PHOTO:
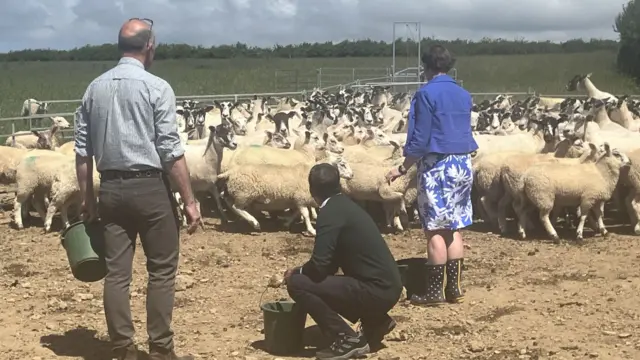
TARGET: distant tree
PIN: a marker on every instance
(628, 27)
(347, 48)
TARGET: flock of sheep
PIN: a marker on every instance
(538, 156)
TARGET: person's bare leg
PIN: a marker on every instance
(455, 258)
(436, 247)
(455, 249)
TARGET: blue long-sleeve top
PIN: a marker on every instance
(440, 120)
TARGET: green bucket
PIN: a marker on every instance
(84, 246)
(284, 324)
(403, 273)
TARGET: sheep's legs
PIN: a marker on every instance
(633, 205)
(48, 219)
(295, 213)
(40, 208)
(304, 211)
(389, 212)
(216, 196)
(503, 204)
(17, 212)
(313, 213)
(599, 213)
(404, 214)
(246, 216)
(544, 217)
(583, 217)
(487, 205)
(64, 215)
(520, 209)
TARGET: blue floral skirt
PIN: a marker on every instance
(444, 191)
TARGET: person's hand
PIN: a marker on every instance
(193, 217)
(88, 209)
(393, 174)
(289, 272)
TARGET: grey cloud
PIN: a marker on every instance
(64, 24)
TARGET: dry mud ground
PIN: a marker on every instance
(525, 299)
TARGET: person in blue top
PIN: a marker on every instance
(439, 142)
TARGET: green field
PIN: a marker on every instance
(546, 74)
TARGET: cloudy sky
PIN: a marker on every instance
(63, 24)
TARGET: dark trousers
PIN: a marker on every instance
(325, 301)
(130, 207)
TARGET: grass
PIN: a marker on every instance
(546, 74)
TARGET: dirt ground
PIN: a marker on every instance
(525, 299)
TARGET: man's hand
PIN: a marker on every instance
(289, 272)
(89, 209)
(193, 216)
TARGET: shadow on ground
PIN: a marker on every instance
(81, 343)
(313, 341)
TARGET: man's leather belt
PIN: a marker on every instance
(116, 174)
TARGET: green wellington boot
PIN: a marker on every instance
(453, 291)
(434, 295)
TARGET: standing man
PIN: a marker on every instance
(127, 121)
(346, 238)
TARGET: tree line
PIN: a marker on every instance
(347, 48)
(628, 27)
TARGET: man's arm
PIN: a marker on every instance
(418, 139)
(168, 143)
(84, 151)
(322, 262)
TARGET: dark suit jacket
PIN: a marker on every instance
(347, 238)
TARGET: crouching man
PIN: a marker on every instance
(346, 238)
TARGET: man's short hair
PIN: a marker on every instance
(135, 43)
(438, 59)
(324, 181)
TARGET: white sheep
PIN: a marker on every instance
(204, 163)
(369, 184)
(33, 107)
(516, 165)
(631, 178)
(38, 139)
(10, 157)
(65, 191)
(35, 174)
(621, 115)
(549, 184)
(269, 187)
(583, 83)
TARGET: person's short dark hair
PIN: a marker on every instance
(135, 43)
(438, 59)
(324, 181)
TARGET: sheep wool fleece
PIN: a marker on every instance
(444, 191)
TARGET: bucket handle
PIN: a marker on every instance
(278, 304)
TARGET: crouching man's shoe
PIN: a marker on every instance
(345, 347)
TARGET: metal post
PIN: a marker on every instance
(353, 74)
(393, 55)
(297, 81)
